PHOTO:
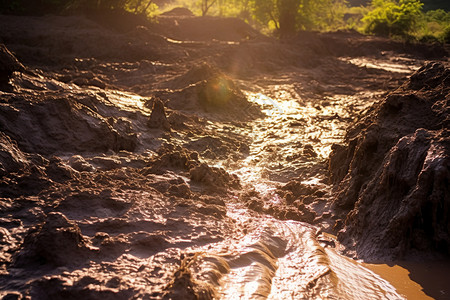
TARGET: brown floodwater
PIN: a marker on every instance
(417, 280)
(267, 258)
(276, 259)
(283, 258)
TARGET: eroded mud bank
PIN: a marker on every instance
(163, 161)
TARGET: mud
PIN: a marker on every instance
(188, 159)
(395, 176)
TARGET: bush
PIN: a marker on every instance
(429, 39)
(393, 17)
(446, 35)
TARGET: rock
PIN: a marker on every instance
(158, 117)
(392, 176)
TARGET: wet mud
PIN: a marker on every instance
(394, 172)
(195, 158)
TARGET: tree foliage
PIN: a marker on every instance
(55, 6)
(393, 17)
(288, 16)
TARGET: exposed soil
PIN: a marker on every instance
(394, 174)
(190, 159)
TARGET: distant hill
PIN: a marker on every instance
(428, 4)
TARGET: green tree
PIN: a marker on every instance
(289, 16)
(206, 5)
(393, 17)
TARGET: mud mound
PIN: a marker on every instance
(58, 242)
(8, 65)
(52, 40)
(352, 43)
(196, 74)
(158, 117)
(219, 148)
(47, 124)
(173, 158)
(88, 287)
(220, 92)
(186, 28)
(206, 88)
(178, 11)
(177, 158)
(213, 177)
(393, 175)
(11, 158)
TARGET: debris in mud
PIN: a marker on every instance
(293, 209)
(393, 175)
(184, 286)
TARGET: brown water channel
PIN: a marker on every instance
(284, 259)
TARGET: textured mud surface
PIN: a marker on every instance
(190, 159)
(394, 174)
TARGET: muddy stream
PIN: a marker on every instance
(275, 259)
(286, 259)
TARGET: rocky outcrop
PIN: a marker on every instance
(392, 177)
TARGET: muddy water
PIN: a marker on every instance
(268, 258)
(417, 280)
(276, 259)
(284, 260)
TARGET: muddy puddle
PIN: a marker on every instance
(416, 280)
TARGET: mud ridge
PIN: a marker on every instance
(392, 190)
